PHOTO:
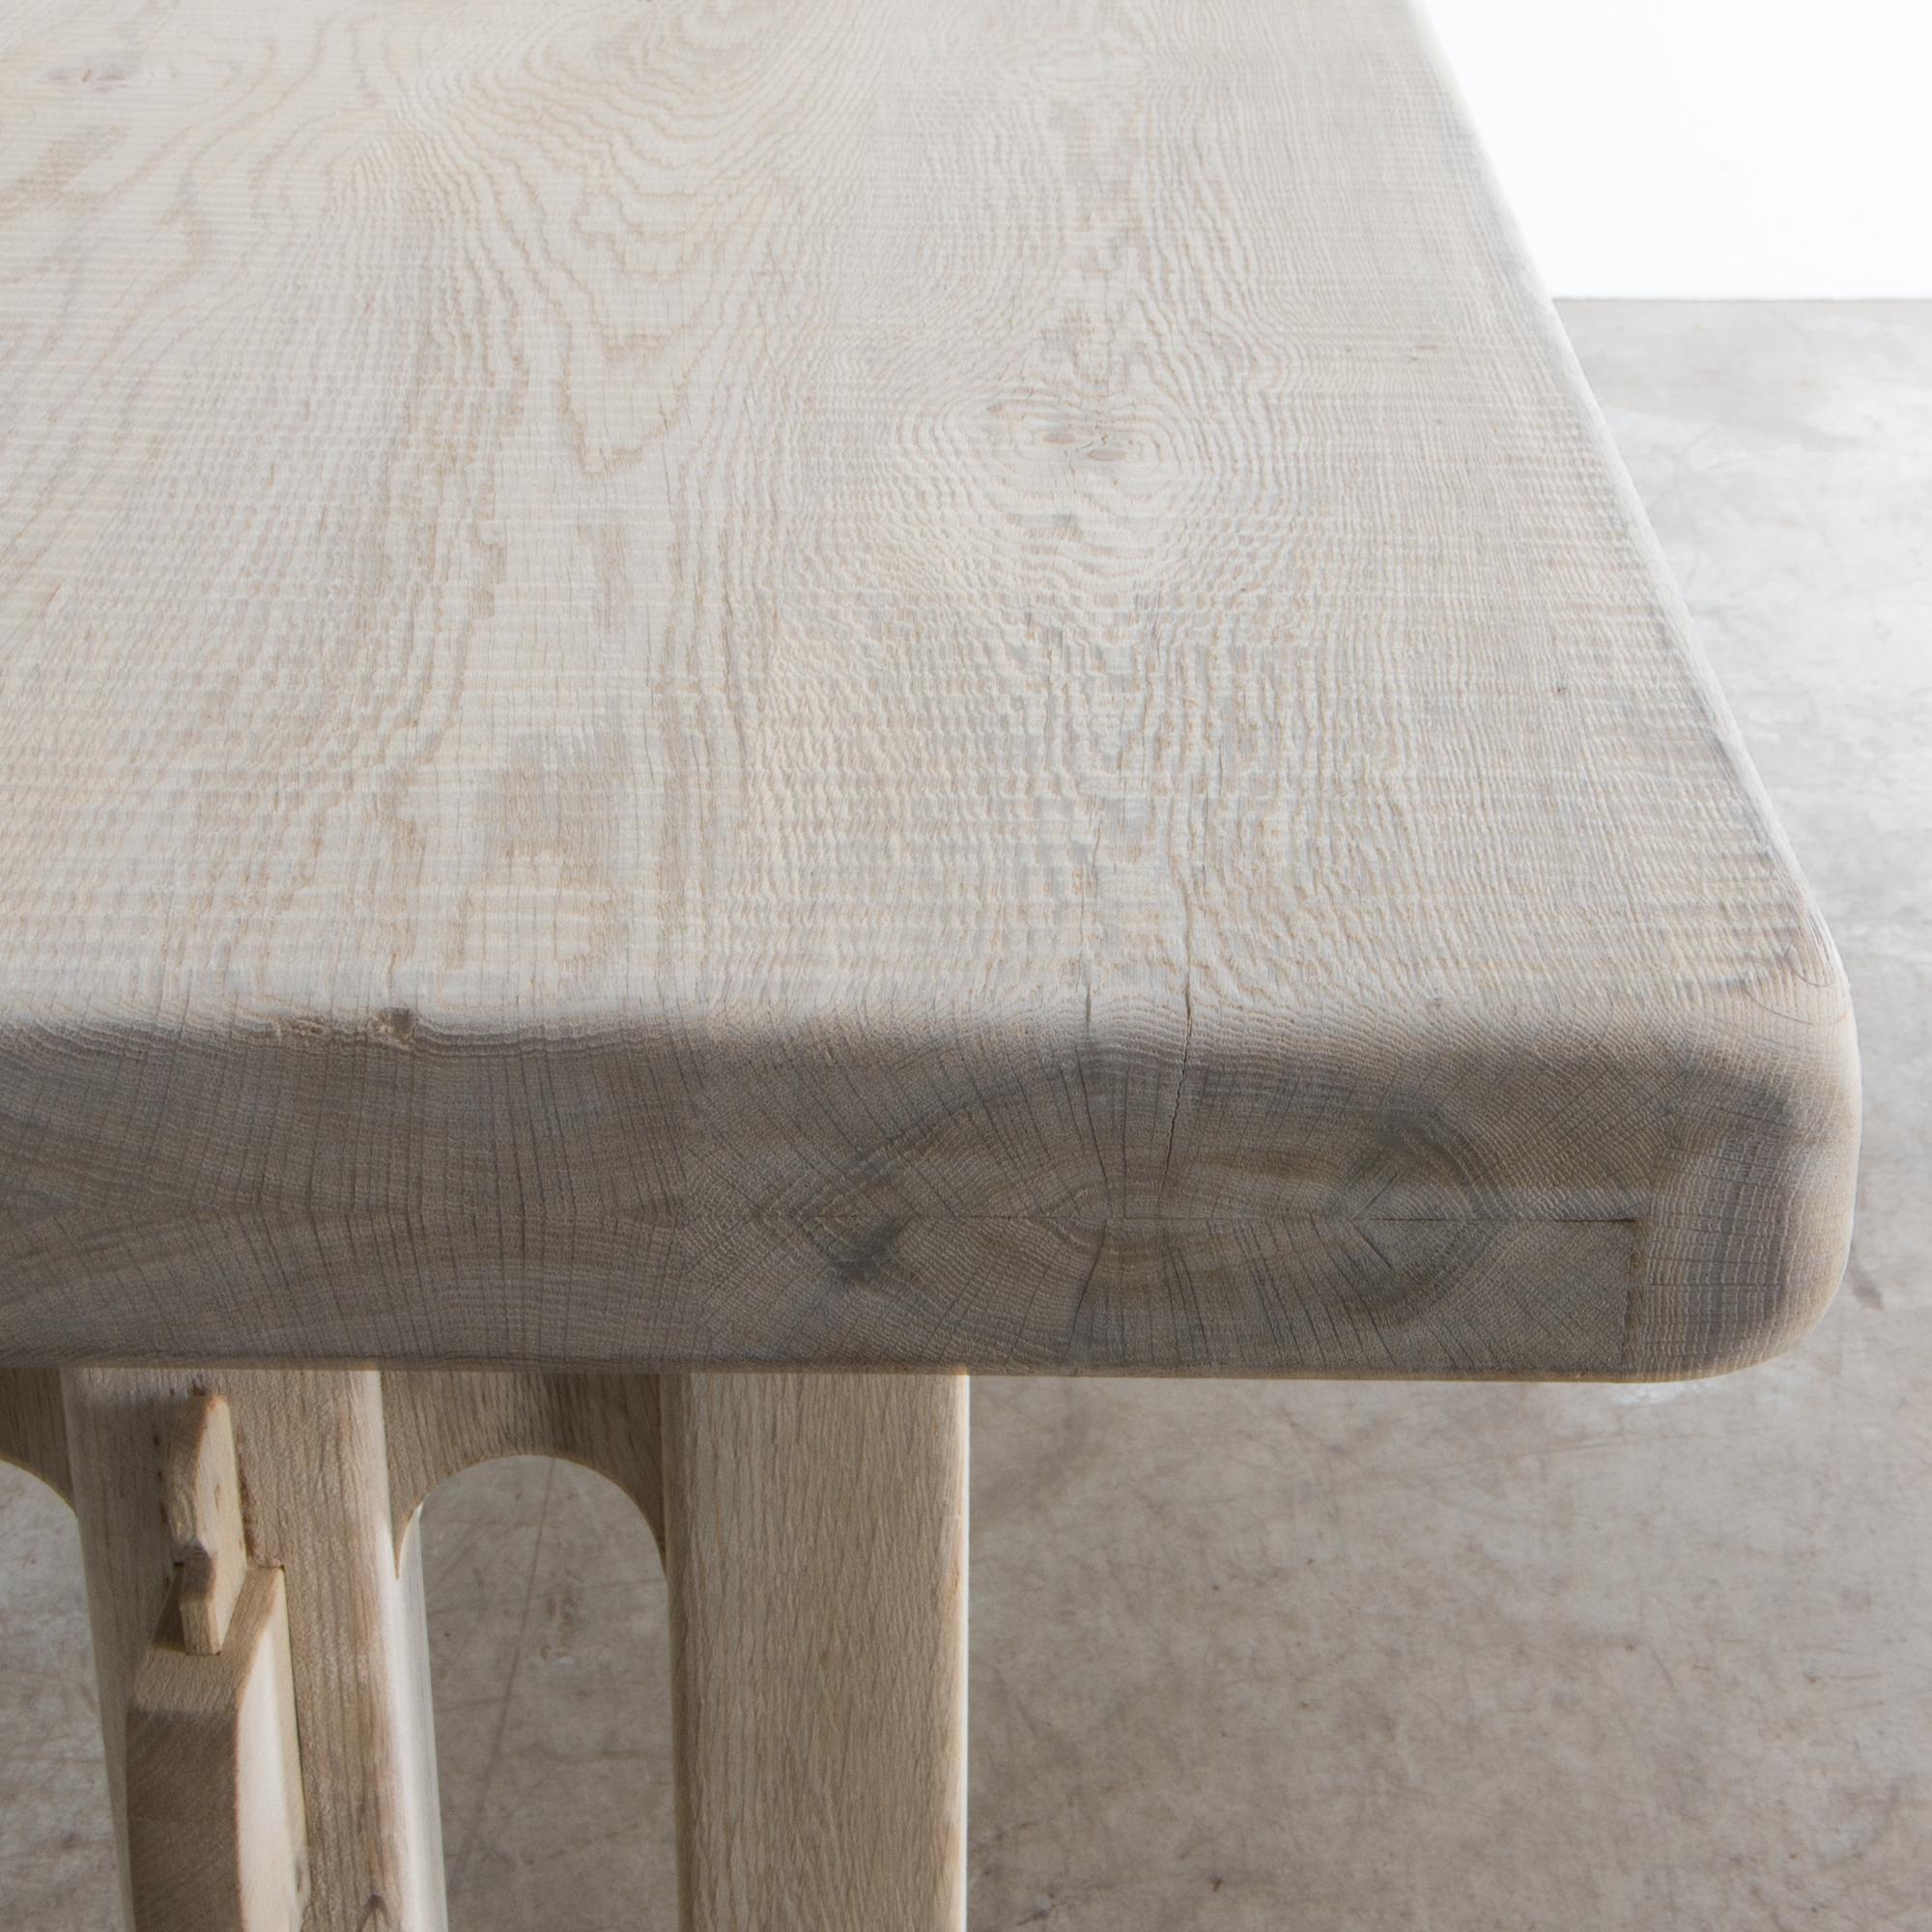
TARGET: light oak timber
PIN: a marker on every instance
(33, 1426)
(314, 1478)
(200, 1497)
(852, 683)
(216, 1832)
(815, 1551)
(439, 1422)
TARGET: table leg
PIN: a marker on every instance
(815, 1548)
(314, 1477)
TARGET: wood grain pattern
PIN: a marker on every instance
(33, 1426)
(815, 1551)
(439, 1422)
(217, 1840)
(866, 683)
(200, 1497)
(315, 1505)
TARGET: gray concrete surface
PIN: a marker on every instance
(1356, 1658)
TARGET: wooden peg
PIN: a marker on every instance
(204, 1510)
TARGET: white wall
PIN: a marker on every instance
(1708, 146)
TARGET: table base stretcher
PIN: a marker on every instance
(813, 1531)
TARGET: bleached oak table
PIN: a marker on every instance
(860, 686)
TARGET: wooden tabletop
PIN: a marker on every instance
(866, 682)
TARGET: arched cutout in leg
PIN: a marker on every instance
(33, 1427)
(444, 1421)
(550, 1658)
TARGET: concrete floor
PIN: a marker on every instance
(1354, 1658)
